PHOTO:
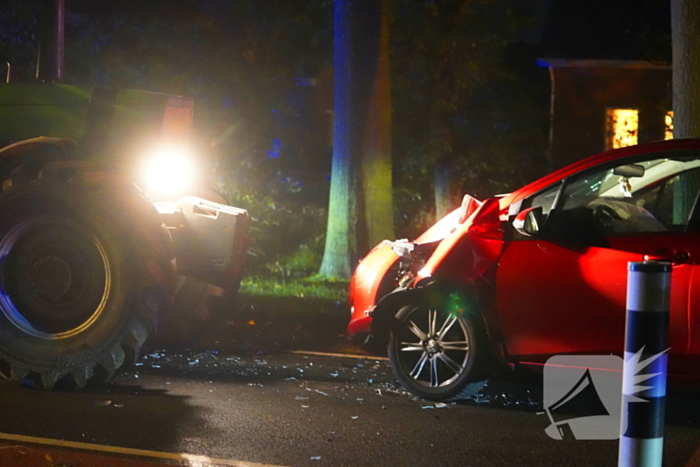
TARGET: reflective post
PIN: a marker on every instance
(644, 374)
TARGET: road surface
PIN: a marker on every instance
(235, 406)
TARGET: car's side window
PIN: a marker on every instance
(544, 199)
(650, 196)
(672, 201)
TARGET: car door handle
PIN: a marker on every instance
(670, 255)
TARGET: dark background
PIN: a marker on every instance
(261, 74)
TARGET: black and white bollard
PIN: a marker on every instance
(644, 374)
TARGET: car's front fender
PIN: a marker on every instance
(384, 314)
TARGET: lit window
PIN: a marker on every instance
(622, 128)
(668, 133)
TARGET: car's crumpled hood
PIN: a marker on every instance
(471, 248)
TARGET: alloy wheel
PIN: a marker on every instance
(433, 346)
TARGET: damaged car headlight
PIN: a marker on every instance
(412, 259)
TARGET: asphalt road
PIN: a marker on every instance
(280, 408)
(242, 396)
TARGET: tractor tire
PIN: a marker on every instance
(86, 271)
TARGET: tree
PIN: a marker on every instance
(685, 36)
(376, 157)
(469, 115)
(360, 209)
(342, 219)
(18, 44)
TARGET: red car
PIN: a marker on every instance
(538, 272)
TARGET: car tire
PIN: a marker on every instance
(86, 273)
(438, 346)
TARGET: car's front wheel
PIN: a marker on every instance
(436, 348)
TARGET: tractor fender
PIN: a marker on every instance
(128, 199)
(20, 162)
(62, 148)
(29, 162)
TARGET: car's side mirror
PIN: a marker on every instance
(528, 222)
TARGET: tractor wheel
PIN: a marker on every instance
(85, 271)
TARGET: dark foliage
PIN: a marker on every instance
(467, 91)
(623, 30)
(251, 66)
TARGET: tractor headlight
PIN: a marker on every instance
(169, 170)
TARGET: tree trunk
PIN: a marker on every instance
(444, 188)
(444, 183)
(361, 179)
(376, 158)
(340, 232)
(685, 27)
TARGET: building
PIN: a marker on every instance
(610, 75)
(598, 105)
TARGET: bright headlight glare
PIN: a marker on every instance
(168, 170)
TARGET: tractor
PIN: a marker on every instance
(109, 236)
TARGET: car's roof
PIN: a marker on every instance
(602, 158)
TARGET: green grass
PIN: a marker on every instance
(297, 302)
(336, 291)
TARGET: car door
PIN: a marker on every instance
(564, 289)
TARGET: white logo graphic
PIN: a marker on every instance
(633, 384)
(583, 396)
(583, 393)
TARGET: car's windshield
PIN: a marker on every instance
(604, 183)
(659, 198)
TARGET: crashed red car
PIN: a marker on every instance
(538, 272)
